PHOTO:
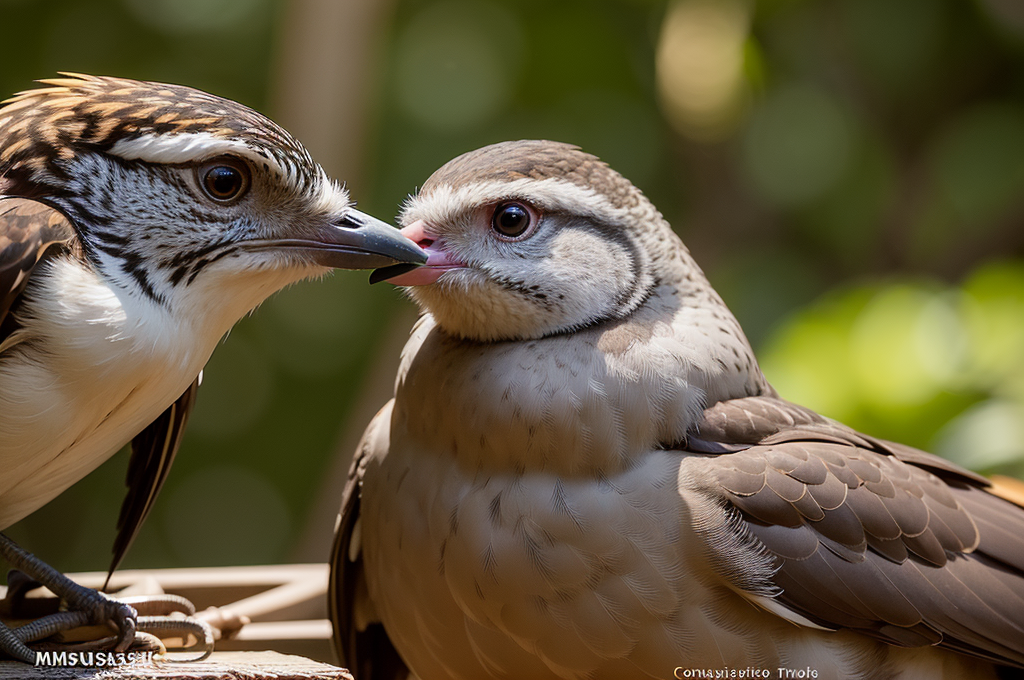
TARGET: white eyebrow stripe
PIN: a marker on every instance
(186, 147)
(444, 202)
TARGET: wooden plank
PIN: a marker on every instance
(207, 577)
(220, 666)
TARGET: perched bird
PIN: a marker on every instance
(138, 222)
(584, 473)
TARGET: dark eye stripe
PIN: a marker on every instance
(523, 288)
(201, 264)
(621, 238)
(133, 265)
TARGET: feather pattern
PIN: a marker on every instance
(869, 535)
(29, 230)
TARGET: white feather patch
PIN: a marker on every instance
(184, 148)
(332, 197)
(445, 202)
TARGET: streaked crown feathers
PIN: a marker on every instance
(136, 120)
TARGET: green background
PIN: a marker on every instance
(850, 174)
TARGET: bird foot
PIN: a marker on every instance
(173, 617)
(86, 617)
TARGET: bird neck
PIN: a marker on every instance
(582, 403)
(216, 301)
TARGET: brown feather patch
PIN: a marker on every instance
(80, 113)
(887, 540)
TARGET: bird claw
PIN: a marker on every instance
(166, 616)
(185, 627)
(90, 608)
(125, 618)
(101, 609)
(160, 605)
(133, 617)
(169, 616)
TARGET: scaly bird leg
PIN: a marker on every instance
(98, 607)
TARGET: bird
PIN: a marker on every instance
(584, 472)
(138, 222)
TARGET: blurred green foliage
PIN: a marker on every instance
(847, 184)
(936, 366)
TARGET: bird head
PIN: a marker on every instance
(183, 199)
(532, 238)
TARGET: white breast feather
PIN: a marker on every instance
(90, 370)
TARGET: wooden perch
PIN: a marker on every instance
(220, 666)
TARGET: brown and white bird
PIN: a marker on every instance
(138, 222)
(584, 473)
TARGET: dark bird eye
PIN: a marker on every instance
(223, 180)
(511, 219)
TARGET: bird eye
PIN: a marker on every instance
(511, 220)
(224, 180)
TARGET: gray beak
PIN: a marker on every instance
(353, 241)
(359, 241)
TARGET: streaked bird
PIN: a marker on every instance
(584, 473)
(138, 222)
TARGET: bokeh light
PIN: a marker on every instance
(453, 63)
(933, 365)
(979, 162)
(798, 145)
(187, 17)
(700, 65)
(229, 514)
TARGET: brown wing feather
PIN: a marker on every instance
(871, 535)
(344, 570)
(368, 653)
(30, 231)
(153, 452)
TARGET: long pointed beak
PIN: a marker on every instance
(353, 241)
(359, 241)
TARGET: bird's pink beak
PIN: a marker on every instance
(438, 260)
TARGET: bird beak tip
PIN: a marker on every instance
(387, 273)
